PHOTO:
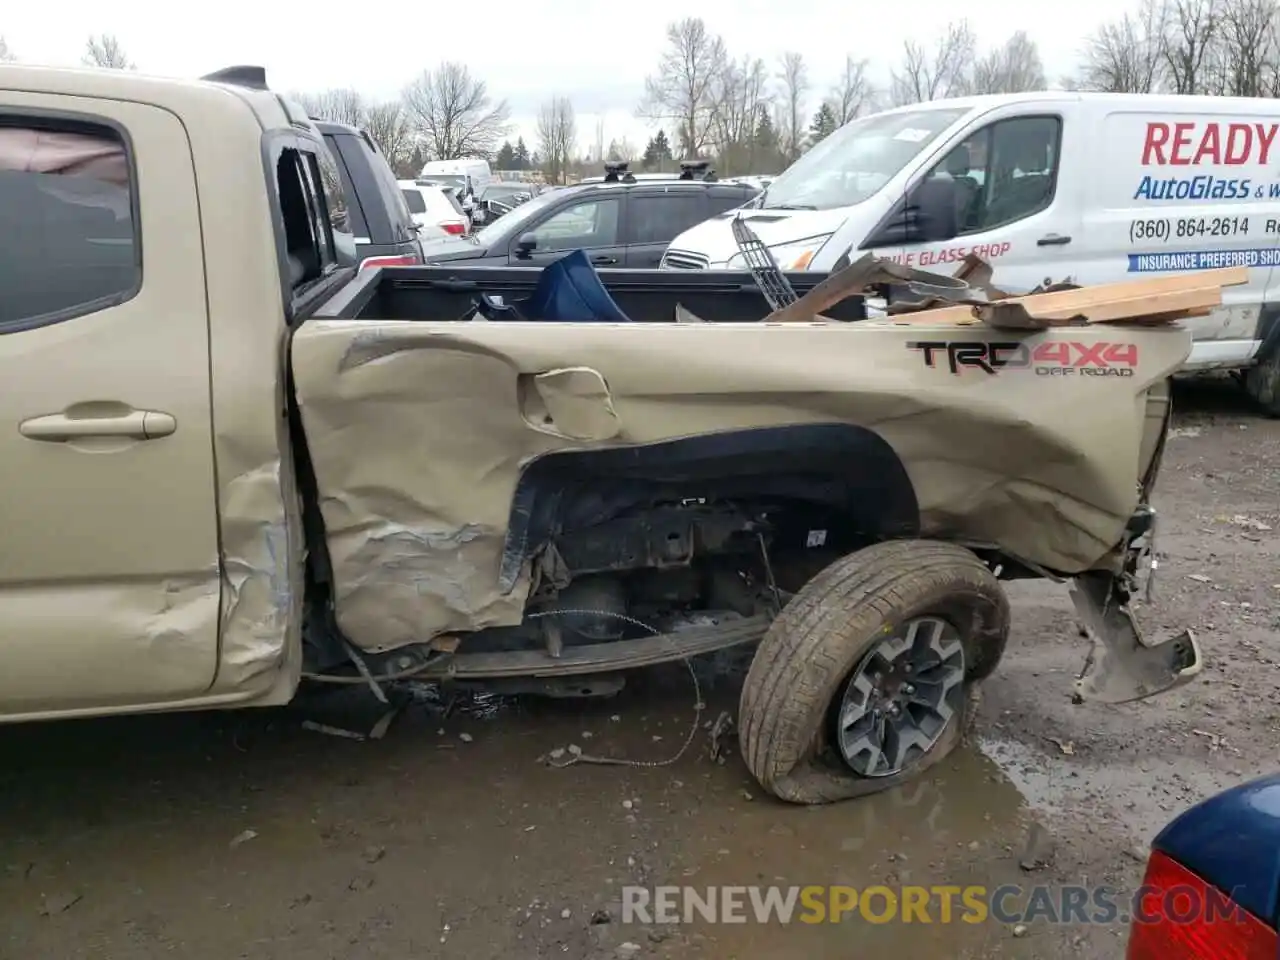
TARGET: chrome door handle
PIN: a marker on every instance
(135, 425)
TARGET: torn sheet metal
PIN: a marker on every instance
(258, 601)
(418, 433)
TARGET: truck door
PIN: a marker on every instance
(109, 573)
(593, 224)
(656, 217)
(1016, 202)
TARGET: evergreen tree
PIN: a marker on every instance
(824, 124)
(522, 159)
(656, 151)
(649, 158)
(506, 158)
(766, 139)
(765, 153)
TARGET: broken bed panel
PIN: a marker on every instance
(418, 433)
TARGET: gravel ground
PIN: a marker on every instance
(246, 835)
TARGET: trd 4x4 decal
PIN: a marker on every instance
(1057, 358)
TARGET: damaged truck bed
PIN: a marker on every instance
(285, 472)
(1033, 447)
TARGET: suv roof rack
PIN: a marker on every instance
(690, 167)
(241, 75)
(618, 170)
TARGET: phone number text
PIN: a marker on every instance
(1188, 227)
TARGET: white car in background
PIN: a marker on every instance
(434, 210)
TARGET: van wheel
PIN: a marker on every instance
(1262, 382)
(866, 678)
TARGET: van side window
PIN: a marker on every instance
(70, 244)
(1002, 173)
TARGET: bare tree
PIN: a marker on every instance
(620, 150)
(339, 105)
(741, 88)
(386, 123)
(1128, 55)
(453, 114)
(389, 127)
(6, 54)
(793, 84)
(1191, 46)
(683, 88)
(105, 50)
(934, 74)
(854, 94)
(557, 137)
(1013, 67)
(1250, 48)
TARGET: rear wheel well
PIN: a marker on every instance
(664, 534)
(836, 473)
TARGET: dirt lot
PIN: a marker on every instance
(244, 835)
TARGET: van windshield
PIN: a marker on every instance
(857, 160)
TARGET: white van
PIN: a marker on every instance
(1090, 188)
(467, 173)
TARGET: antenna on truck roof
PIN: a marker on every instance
(242, 75)
(252, 77)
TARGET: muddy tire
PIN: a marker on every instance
(1262, 383)
(802, 668)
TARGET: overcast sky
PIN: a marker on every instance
(597, 54)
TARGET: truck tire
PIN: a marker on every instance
(929, 607)
(1262, 382)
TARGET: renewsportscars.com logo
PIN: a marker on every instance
(942, 904)
(1058, 358)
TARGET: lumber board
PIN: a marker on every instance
(1167, 298)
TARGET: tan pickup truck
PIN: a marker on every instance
(231, 466)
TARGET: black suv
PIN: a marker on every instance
(622, 222)
(365, 202)
(378, 214)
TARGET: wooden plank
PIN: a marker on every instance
(1163, 308)
(1075, 302)
(1113, 309)
(1194, 294)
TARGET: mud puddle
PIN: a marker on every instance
(229, 835)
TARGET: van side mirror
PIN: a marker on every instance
(526, 245)
(927, 214)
